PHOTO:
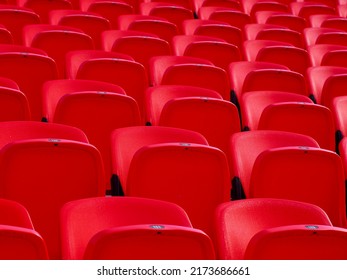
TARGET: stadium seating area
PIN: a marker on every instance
(173, 129)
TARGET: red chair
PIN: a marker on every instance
(251, 7)
(302, 173)
(298, 242)
(158, 96)
(126, 142)
(173, 13)
(329, 21)
(259, 75)
(253, 104)
(43, 7)
(182, 3)
(114, 217)
(29, 68)
(338, 109)
(8, 83)
(214, 28)
(52, 172)
(14, 214)
(25, 130)
(161, 27)
(307, 9)
(14, 18)
(234, 4)
(18, 239)
(192, 71)
(234, 18)
(5, 35)
(112, 68)
(237, 222)
(207, 118)
(140, 46)
(90, 23)
(288, 20)
(96, 112)
(110, 10)
(245, 147)
(271, 32)
(57, 41)
(296, 59)
(19, 243)
(14, 105)
(150, 242)
(326, 83)
(324, 35)
(305, 118)
(190, 175)
(328, 55)
(220, 53)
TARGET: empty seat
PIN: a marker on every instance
(259, 75)
(57, 41)
(19, 243)
(296, 59)
(303, 174)
(328, 55)
(219, 52)
(110, 10)
(234, 18)
(190, 175)
(114, 217)
(25, 130)
(18, 238)
(29, 68)
(180, 3)
(14, 105)
(307, 9)
(245, 147)
(161, 27)
(14, 18)
(183, 70)
(95, 111)
(237, 222)
(326, 83)
(5, 35)
(272, 32)
(140, 46)
(251, 7)
(340, 117)
(342, 149)
(288, 20)
(52, 172)
(126, 141)
(298, 242)
(173, 13)
(158, 96)
(14, 214)
(214, 28)
(150, 242)
(253, 104)
(234, 4)
(112, 68)
(43, 7)
(214, 118)
(90, 23)
(324, 35)
(305, 118)
(329, 21)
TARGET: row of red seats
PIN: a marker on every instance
(139, 228)
(44, 166)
